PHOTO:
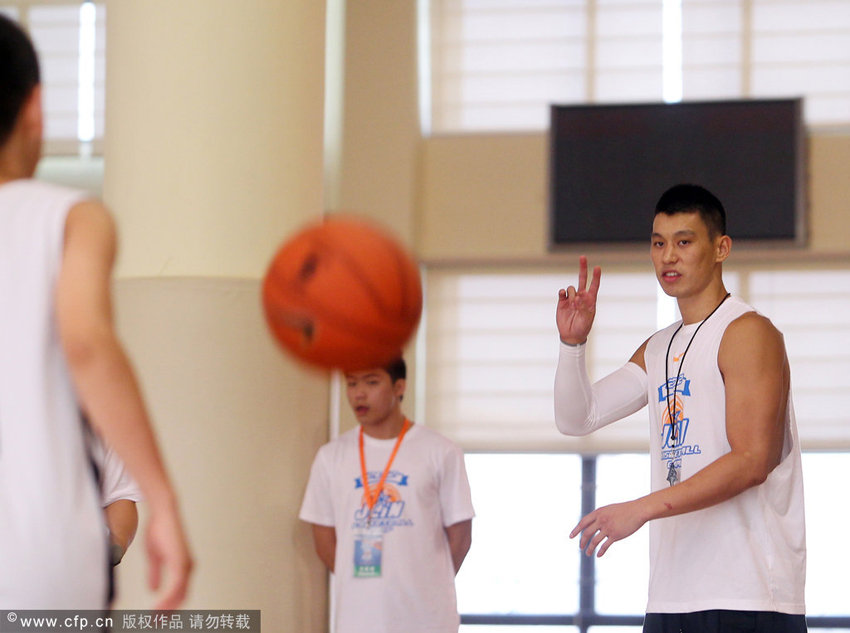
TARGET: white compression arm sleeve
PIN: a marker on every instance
(581, 408)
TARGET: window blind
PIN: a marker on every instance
(491, 350)
(627, 44)
(495, 62)
(497, 65)
(802, 47)
(812, 309)
(713, 49)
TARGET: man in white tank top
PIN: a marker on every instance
(59, 354)
(727, 531)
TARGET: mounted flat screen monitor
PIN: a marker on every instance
(609, 164)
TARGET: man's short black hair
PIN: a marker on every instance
(686, 198)
(19, 74)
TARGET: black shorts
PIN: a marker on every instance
(722, 621)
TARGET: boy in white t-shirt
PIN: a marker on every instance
(391, 512)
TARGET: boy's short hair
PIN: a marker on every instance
(686, 198)
(397, 369)
(19, 74)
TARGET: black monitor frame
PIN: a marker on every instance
(609, 164)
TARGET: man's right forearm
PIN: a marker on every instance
(113, 403)
(581, 408)
(574, 405)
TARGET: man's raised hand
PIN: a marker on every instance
(577, 306)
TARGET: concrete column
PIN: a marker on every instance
(213, 155)
(214, 131)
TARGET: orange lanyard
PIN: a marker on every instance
(372, 497)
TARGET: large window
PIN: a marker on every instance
(496, 65)
(523, 574)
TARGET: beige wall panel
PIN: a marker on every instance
(829, 197)
(239, 425)
(484, 197)
(214, 131)
(380, 136)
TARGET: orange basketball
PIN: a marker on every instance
(343, 294)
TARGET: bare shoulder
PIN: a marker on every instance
(89, 213)
(750, 337)
(751, 325)
(89, 228)
(83, 288)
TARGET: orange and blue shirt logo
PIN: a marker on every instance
(388, 511)
(672, 395)
(674, 425)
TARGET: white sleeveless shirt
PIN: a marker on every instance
(52, 541)
(747, 553)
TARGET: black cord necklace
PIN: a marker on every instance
(671, 410)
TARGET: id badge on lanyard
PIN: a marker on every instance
(368, 547)
(369, 540)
